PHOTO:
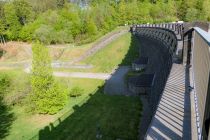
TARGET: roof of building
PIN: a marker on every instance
(143, 80)
(141, 60)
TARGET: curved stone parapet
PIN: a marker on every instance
(161, 50)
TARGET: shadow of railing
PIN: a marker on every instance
(91, 114)
(94, 119)
(116, 84)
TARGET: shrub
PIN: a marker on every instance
(27, 32)
(44, 34)
(63, 37)
(76, 91)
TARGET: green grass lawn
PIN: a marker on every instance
(111, 116)
(111, 56)
(115, 116)
(25, 125)
(121, 51)
(83, 116)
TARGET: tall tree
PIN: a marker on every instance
(47, 96)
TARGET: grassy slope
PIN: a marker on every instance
(109, 109)
(71, 53)
(19, 51)
(117, 116)
(29, 123)
(121, 51)
(112, 116)
(109, 57)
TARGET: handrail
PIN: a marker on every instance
(205, 35)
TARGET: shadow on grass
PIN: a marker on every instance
(133, 52)
(6, 119)
(102, 116)
(108, 117)
(117, 83)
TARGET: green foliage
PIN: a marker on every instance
(5, 83)
(48, 20)
(191, 14)
(76, 91)
(27, 32)
(12, 22)
(91, 28)
(47, 96)
(206, 9)
(45, 34)
(63, 37)
(23, 11)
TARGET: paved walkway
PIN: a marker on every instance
(172, 119)
(102, 76)
(116, 84)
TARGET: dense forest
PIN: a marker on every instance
(62, 21)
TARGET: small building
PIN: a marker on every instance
(140, 64)
(141, 84)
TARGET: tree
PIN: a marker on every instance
(206, 9)
(2, 27)
(12, 23)
(91, 28)
(61, 3)
(191, 14)
(23, 11)
(183, 6)
(47, 96)
(40, 6)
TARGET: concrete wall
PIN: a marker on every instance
(200, 61)
(159, 45)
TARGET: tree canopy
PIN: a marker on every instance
(60, 21)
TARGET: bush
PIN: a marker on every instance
(53, 100)
(27, 32)
(63, 37)
(76, 91)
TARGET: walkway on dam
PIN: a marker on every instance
(172, 119)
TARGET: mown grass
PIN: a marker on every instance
(84, 116)
(111, 56)
(25, 124)
(112, 117)
(122, 51)
(70, 52)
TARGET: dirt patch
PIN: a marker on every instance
(16, 51)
